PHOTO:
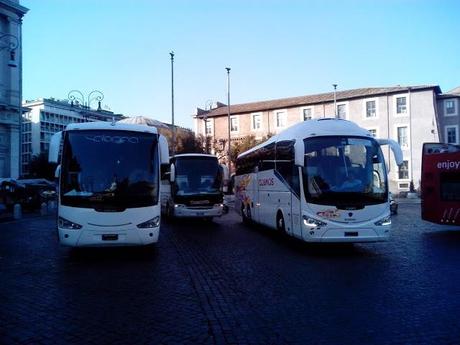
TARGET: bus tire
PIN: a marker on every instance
(169, 213)
(280, 225)
(246, 214)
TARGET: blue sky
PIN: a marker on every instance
(275, 49)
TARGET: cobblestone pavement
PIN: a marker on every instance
(225, 283)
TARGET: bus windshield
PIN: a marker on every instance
(344, 171)
(197, 175)
(109, 170)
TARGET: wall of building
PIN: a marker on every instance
(419, 119)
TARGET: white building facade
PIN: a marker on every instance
(44, 117)
(11, 14)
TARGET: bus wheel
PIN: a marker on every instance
(168, 212)
(280, 223)
(246, 214)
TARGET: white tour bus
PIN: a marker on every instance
(194, 187)
(108, 183)
(320, 180)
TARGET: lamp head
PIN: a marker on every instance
(12, 62)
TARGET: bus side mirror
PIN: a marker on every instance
(164, 150)
(164, 171)
(224, 172)
(55, 144)
(57, 172)
(225, 178)
(397, 152)
(172, 173)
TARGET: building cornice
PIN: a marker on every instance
(19, 10)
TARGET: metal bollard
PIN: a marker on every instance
(43, 209)
(17, 211)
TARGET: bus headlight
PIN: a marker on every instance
(178, 205)
(152, 223)
(67, 224)
(384, 221)
(312, 222)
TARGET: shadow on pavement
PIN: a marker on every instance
(193, 225)
(113, 254)
(313, 249)
(450, 236)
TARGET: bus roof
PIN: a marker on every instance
(314, 128)
(193, 155)
(98, 125)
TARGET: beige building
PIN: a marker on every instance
(11, 14)
(408, 115)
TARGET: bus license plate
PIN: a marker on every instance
(200, 214)
(351, 233)
(110, 237)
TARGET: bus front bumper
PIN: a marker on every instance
(184, 211)
(336, 235)
(108, 238)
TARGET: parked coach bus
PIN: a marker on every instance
(108, 183)
(320, 180)
(440, 183)
(194, 187)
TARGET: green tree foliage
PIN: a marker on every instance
(186, 142)
(39, 167)
(243, 145)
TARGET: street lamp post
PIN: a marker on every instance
(172, 105)
(335, 100)
(228, 112)
(77, 95)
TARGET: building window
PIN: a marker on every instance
(233, 124)
(450, 107)
(373, 131)
(280, 119)
(452, 134)
(401, 105)
(403, 171)
(307, 114)
(371, 109)
(342, 111)
(403, 186)
(256, 122)
(402, 136)
(208, 127)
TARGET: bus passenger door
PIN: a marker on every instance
(255, 205)
(296, 214)
(263, 202)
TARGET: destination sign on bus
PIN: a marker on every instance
(116, 139)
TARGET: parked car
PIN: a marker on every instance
(11, 192)
(393, 204)
(37, 191)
